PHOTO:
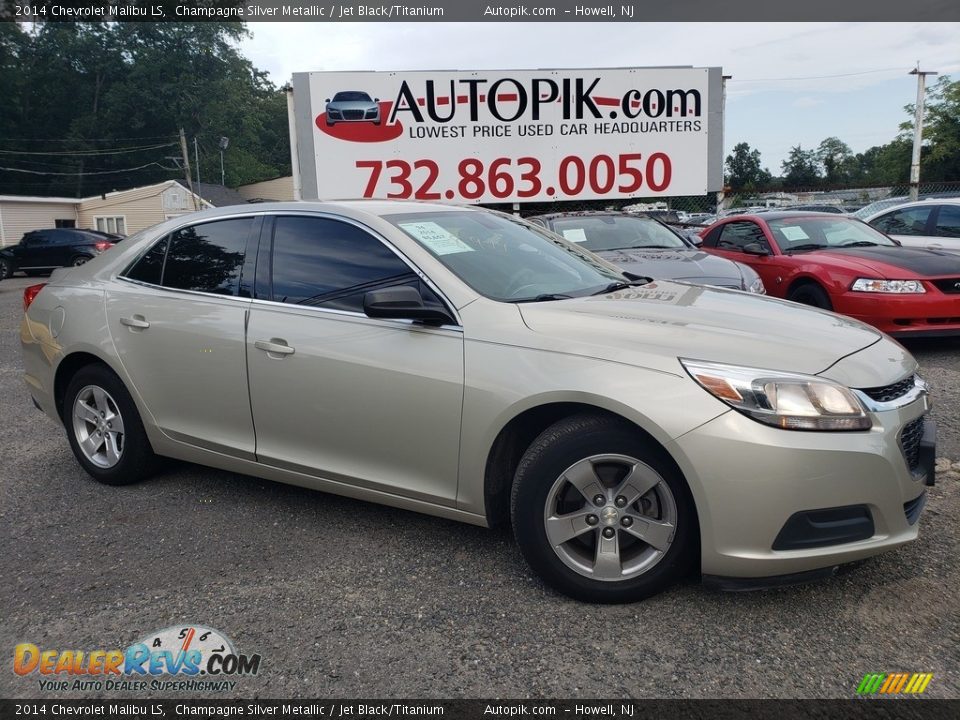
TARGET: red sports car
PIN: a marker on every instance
(840, 264)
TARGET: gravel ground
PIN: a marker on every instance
(348, 599)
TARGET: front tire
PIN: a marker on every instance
(6, 269)
(104, 428)
(601, 513)
(811, 294)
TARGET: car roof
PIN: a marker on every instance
(351, 206)
(925, 202)
(787, 215)
(585, 213)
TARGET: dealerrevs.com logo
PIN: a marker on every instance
(177, 658)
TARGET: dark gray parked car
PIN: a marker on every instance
(643, 246)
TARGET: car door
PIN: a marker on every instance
(729, 241)
(336, 394)
(35, 250)
(909, 226)
(946, 228)
(177, 319)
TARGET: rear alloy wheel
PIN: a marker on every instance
(599, 514)
(104, 428)
(813, 295)
(80, 260)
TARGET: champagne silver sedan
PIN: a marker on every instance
(469, 365)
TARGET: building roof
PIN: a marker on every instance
(217, 195)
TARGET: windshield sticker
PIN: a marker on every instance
(435, 238)
(794, 232)
(576, 235)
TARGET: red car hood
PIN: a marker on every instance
(890, 263)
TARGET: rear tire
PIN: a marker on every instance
(6, 270)
(80, 260)
(104, 428)
(585, 494)
(811, 294)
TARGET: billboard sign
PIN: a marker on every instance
(510, 136)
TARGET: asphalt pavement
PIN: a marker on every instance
(348, 599)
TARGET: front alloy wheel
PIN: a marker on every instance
(610, 517)
(601, 512)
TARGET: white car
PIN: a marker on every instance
(933, 224)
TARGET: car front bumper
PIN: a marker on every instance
(932, 314)
(750, 479)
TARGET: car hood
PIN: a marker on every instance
(675, 264)
(893, 263)
(654, 324)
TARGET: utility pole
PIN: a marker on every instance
(722, 194)
(196, 157)
(918, 129)
(186, 167)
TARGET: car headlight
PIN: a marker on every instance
(751, 281)
(888, 286)
(784, 400)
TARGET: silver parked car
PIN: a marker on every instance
(462, 363)
(352, 106)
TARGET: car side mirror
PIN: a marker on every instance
(376, 99)
(402, 302)
(327, 100)
(756, 248)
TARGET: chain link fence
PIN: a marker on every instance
(699, 210)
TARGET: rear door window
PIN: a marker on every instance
(948, 222)
(208, 257)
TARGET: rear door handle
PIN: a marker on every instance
(274, 345)
(137, 321)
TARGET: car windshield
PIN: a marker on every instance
(812, 233)
(351, 96)
(505, 259)
(615, 232)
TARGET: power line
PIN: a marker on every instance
(87, 153)
(81, 140)
(100, 172)
(814, 77)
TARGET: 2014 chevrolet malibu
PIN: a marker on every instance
(465, 364)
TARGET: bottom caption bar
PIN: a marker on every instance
(485, 709)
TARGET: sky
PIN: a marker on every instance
(785, 88)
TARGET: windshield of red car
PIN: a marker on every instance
(615, 232)
(812, 233)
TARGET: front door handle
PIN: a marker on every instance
(137, 321)
(274, 345)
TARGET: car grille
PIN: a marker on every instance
(913, 508)
(888, 393)
(353, 114)
(910, 438)
(948, 285)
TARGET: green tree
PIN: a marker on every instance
(744, 171)
(801, 168)
(133, 85)
(838, 161)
